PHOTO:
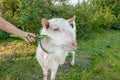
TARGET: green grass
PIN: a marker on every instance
(97, 58)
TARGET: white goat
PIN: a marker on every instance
(51, 52)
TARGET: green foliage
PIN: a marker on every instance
(93, 15)
(11, 5)
(103, 18)
(104, 13)
(83, 19)
(3, 35)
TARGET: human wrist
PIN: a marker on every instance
(21, 33)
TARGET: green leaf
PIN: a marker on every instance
(38, 36)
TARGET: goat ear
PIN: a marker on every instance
(45, 23)
(71, 20)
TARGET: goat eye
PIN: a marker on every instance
(56, 29)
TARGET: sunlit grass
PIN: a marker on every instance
(97, 58)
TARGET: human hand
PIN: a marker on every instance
(30, 37)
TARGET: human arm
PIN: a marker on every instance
(10, 28)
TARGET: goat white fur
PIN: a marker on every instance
(51, 52)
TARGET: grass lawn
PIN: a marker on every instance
(97, 58)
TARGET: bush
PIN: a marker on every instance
(83, 17)
(3, 35)
(94, 15)
(116, 24)
(103, 18)
(29, 14)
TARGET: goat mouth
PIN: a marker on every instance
(69, 48)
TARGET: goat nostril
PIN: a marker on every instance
(74, 44)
